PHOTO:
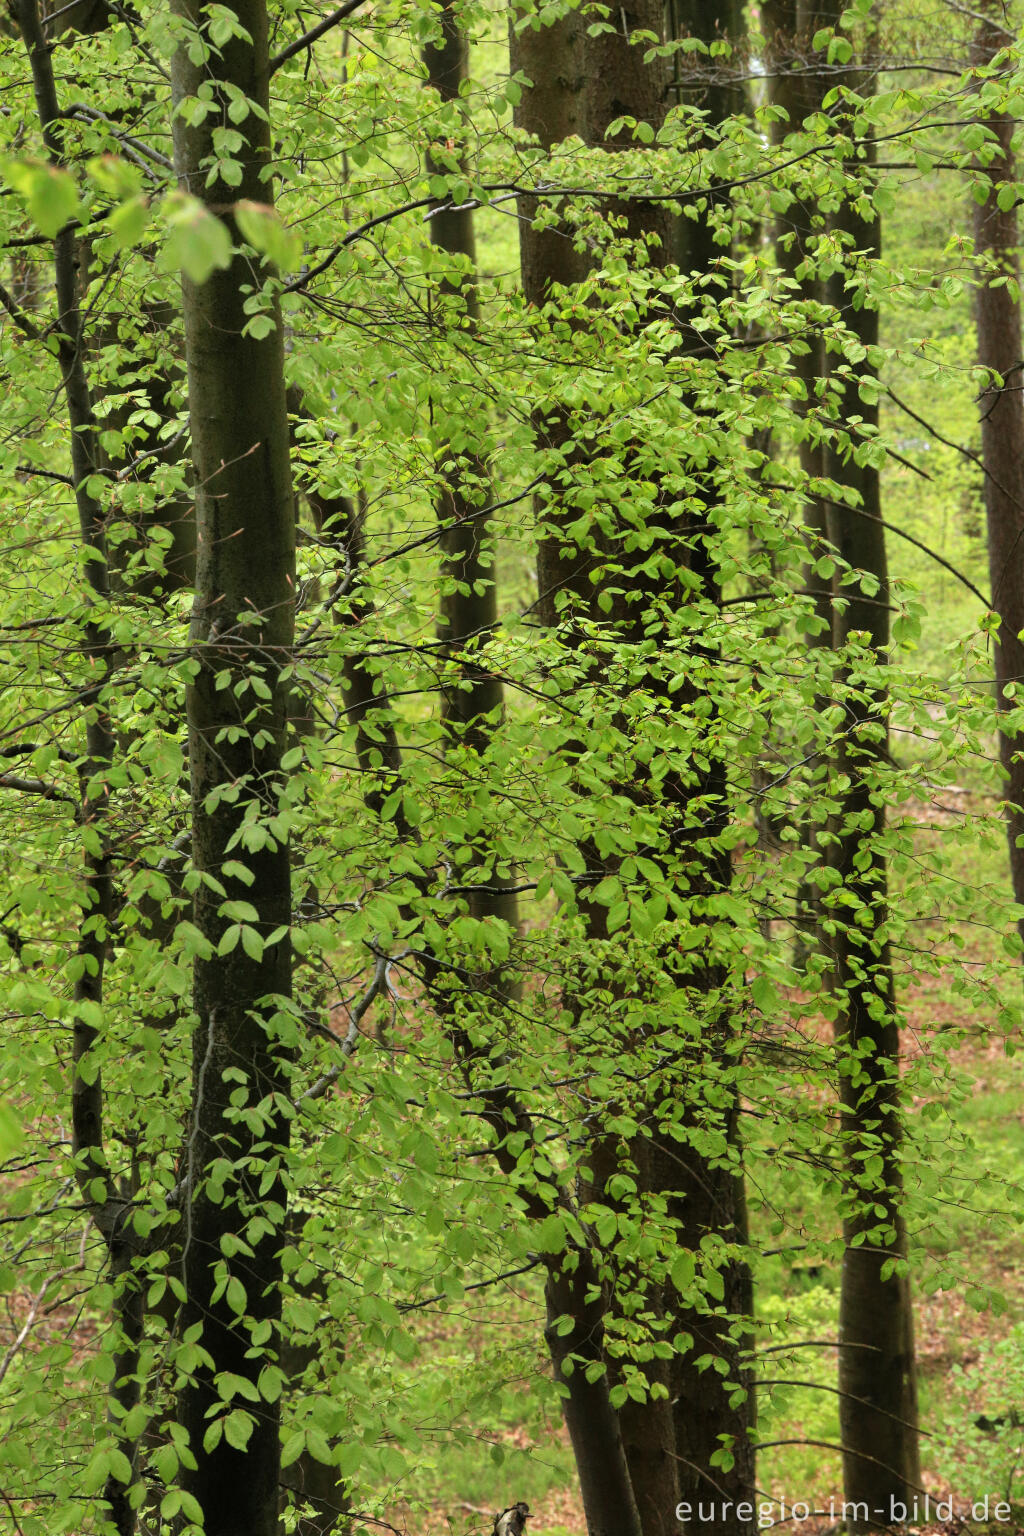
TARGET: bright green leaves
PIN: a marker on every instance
(197, 242)
(11, 1130)
(262, 226)
(50, 195)
(107, 1461)
(311, 1439)
(222, 24)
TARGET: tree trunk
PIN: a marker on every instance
(878, 1406)
(710, 1199)
(668, 1442)
(595, 1431)
(1000, 349)
(469, 604)
(799, 84)
(108, 1204)
(243, 629)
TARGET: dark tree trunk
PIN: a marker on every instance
(469, 604)
(710, 1199)
(108, 1204)
(243, 625)
(878, 1406)
(799, 84)
(580, 85)
(553, 107)
(1000, 349)
(595, 1432)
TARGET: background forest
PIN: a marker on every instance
(510, 900)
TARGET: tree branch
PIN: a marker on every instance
(36, 787)
(314, 34)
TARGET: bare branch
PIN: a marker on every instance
(36, 787)
(18, 315)
(379, 984)
(314, 34)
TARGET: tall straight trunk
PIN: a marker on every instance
(173, 516)
(469, 604)
(799, 82)
(553, 107)
(877, 1382)
(1000, 349)
(668, 1443)
(243, 625)
(707, 1410)
(104, 1196)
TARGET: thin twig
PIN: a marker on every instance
(314, 34)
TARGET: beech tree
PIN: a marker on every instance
(235, 1197)
(390, 893)
(997, 309)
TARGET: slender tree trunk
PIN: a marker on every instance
(798, 83)
(108, 1203)
(174, 515)
(878, 1406)
(1000, 349)
(243, 626)
(707, 1412)
(469, 605)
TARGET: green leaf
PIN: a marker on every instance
(198, 243)
(293, 1448)
(235, 1296)
(229, 939)
(262, 227)
(238, 1428)
(252, 943)
(683, 1271)
(51, 195)
(12, 1132)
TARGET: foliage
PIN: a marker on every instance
(413, 1202)
(979, 1429)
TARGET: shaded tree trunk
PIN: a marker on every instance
(668, 1442)
(243, 625)
(469, 603)
(106, 1198)
(798, 83)
(878, 1405)
(1000, 349)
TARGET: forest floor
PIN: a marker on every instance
(971, 1361)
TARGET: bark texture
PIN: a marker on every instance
(243, 626)
(878, 1406)
(469, 603)
(1000, 349)
(667, 1444)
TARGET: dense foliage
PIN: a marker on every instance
(566, 898)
